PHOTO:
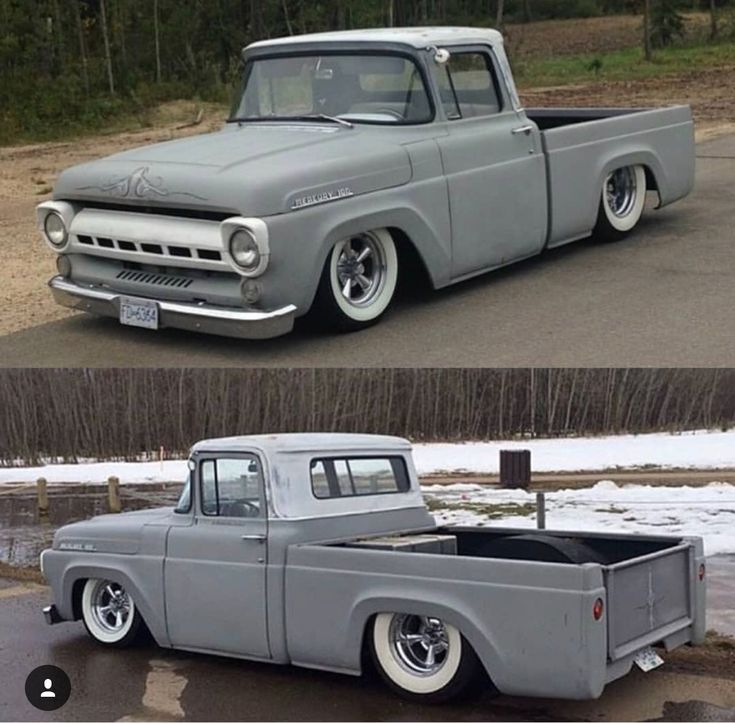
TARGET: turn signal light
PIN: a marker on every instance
(701, 571)
(597, 609)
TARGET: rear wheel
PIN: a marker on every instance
(109, 613)
(621, 203)
(422, 658)
(358, 281)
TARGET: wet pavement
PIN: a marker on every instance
(149, 683)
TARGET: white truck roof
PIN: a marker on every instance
(304, 442)
(420, 37)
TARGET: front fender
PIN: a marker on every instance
(141, 576)
(301, 240)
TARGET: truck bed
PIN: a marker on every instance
(648, 585)
(583, 145)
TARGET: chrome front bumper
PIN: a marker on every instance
(225, 321)
(51, 615)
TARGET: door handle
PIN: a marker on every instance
(254, 536)
(522, 129)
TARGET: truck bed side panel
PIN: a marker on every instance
(580, 156)
(530, 624)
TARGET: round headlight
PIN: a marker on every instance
(55, 229)
(244, 250)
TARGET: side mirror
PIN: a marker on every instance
(191, 465)
(441, 55)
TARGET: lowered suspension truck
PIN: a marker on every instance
(317, 550)
(352, 162)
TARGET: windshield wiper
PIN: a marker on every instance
(324, 117)
(305, 117)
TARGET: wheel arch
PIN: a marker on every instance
(646, 157)
(416, 240)
(365, 611)
(73, 585)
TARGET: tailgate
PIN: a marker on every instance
(648, 598)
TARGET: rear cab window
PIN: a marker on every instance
(351, 476)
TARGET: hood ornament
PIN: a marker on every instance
(138, 185)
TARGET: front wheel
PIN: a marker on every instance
(109, 613)
(422, 658)
(621, 203)
(358, 281)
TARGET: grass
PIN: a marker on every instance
(626, 64)
(491, 510)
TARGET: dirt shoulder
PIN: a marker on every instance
(27, 176)
(582, 479)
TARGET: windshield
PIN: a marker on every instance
(184, 504)
(367, 88)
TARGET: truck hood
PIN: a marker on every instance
(114, 533)
(257, 169)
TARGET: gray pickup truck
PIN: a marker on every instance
(352, 162)
(317, 550)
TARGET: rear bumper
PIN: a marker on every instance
(51, 614)
(228, 322)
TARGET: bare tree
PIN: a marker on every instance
(647, 52)
(286, 17)
(157, 41)
(712, 19)
(82, 46)
(499, 14)
(108, 55)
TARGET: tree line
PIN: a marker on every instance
(71, 414)
(68, 65)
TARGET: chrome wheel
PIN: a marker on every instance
(419, 643)
(111, 606)
(361, 269)
(621, 191)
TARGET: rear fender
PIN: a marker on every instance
(365, 609)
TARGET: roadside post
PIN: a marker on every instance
(42, 494)
(113, 494)
(541, 510)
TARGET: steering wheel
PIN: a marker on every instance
(390, 112)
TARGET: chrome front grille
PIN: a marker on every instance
(149, 239)
(181, 252)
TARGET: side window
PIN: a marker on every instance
(346, 477)
(231, 487)
(468, 86)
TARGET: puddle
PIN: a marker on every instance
(23, 534)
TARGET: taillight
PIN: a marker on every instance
(597, 609)
(701, 571)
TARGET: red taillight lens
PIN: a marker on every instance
(701, 571)
(597, 609)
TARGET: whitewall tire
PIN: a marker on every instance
(109, 613)
(621, 204)
(359, 280)
(422, 657)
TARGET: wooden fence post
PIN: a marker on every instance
(541, 510)
(113, 494)
(42, 493)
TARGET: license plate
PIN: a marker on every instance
(647, 659)
(138, 313)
